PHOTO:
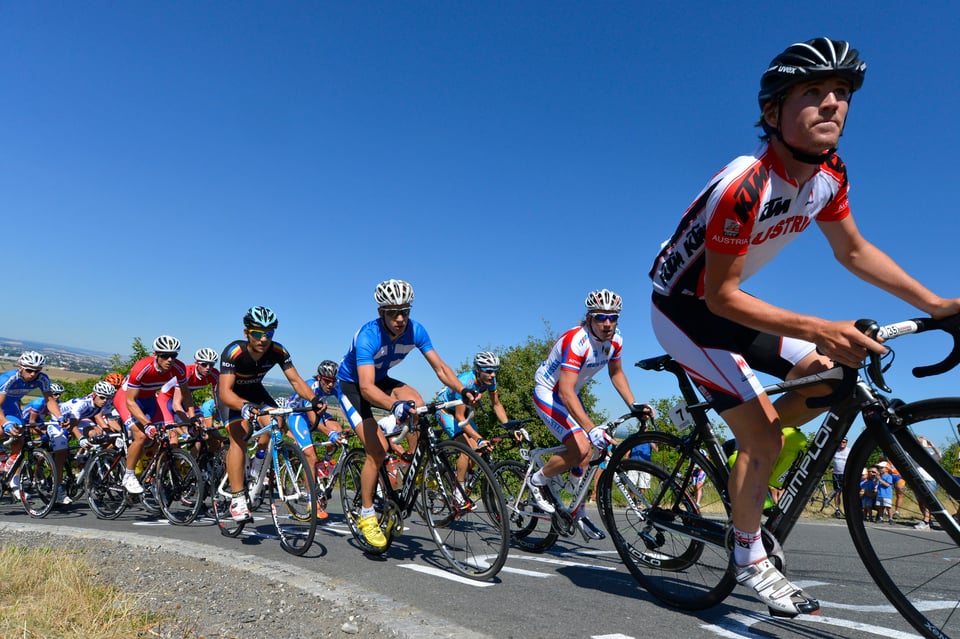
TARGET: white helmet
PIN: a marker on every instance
(486, 359)
(166, 344)
(104, 389)
(603, 300)
(56, 389)
(32, 359)
(207, 355)
(393, 293)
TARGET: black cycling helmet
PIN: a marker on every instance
(260, 317)
(803, 61)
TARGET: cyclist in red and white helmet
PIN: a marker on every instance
(721, 334)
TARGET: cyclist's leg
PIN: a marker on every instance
(566, 430)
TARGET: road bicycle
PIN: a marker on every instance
(681, 553)
(330, 467)
(285, 481)
(824, 496)
(468, 526)
(170, 478)
(531, 529)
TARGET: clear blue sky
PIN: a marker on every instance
(163, 166)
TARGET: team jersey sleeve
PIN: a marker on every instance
(282, 356)
(732, 210)
(228, 359)
(420, 338)
(838, 207)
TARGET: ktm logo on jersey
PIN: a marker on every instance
(776, 206)
(747, 194)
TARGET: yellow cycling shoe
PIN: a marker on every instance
(371, 531)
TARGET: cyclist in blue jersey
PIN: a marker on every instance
(364, 382)
(14, 384)
(481, 379)
(37, 410)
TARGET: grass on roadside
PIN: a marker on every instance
(56, 593)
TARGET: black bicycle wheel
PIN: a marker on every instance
(220, 498)
(179, 487)
(658, 531)
(350, 500)
(293, 499)
(38, 483)
(104, 484)
(918, 569)
(467, 527)
(530, 529)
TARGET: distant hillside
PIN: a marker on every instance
(68, 358)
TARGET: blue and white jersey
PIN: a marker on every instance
(36, 407)
(14, 387)
(468, 379)
(314, 383)
(372, 345)
(80, 408)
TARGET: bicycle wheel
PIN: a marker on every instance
(530, 529)
(179, 487)
(674, 548)
(917, 569)
(293, 499)
(220, 498)
(104, 484)
(38, 483)
(350, 501)
(467, 527)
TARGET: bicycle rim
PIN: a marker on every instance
(918, 570)
(293, 500)
(179, 487)
(220, 498)
(530, 529)
(350, 501)
(38, 483)
(104, 484)
(660, 533)
(468, 527)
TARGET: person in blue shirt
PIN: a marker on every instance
(15, 384)
(364, 382)
(481, 379)
(37, 411)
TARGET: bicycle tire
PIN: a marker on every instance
(293, 499)
(104, 484)
(179, 487)
(530, 529)
(908, 565)
(350, 501)
(468, 529)
(661, 536)
(220, 502)
(38, 483)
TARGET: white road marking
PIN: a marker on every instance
(560, 562)
(436, 572)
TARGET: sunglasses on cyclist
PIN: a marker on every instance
(396, 312)
(205, 364)
(327, 380)
(601, 317)
(260, 334)
(166, 355)
(492, 371)
(32, 371)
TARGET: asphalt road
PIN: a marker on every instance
(577, 590)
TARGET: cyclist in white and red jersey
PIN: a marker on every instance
(136, 400)
(575, 358)
(200, 374)
(720, 334)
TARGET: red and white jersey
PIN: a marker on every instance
(580, 352)
(749, 208)
(195, 381)
(146, 379)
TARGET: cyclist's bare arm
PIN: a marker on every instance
(446, 375)
(366, 376)
(300, 386)
(498, 408)
(619, 380)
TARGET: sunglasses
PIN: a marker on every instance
(166, 355)
(33, 371)
(396, 312)
(205, 364)
(492, 371)
(327, 380)
(261, 334)
(102, 397)
(606, 318)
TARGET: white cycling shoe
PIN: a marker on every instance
(540, 499)
(783, 598)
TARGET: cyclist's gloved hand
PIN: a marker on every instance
(333, 436)
(470, 396)
(84, 442)
(11, 428)
(401, 410)
(643, 411)
(598, 437)
(150, 430)
(248, 411)
(317, 404)
(482, 443)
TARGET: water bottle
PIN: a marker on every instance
(257, 463)
(794, 443)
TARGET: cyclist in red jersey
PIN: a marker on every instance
(721, 334)
(136, 400)
(200, 374)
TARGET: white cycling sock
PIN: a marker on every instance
(747, 547)
(367, 512)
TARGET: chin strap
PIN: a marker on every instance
(798, 155)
